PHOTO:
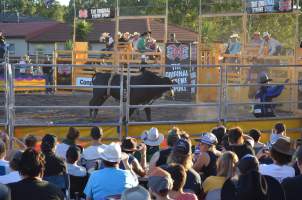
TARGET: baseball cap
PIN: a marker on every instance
(160, 180)
(182, 146)
(207, 138)
(248, 163)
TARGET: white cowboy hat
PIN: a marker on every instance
(136, 33)
(234, 35)
(152, 137)
(265, 34)
(112, 153)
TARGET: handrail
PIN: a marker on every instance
(221, 103)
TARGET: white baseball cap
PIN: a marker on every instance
(112, 153)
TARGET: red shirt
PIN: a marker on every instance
(187, 196)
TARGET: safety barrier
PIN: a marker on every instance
(223, 86)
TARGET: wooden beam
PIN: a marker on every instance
(143, 17)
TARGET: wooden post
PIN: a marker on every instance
(117, 27)
(166, 22)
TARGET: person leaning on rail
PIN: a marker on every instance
(265, 94)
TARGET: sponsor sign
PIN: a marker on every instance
(97, 13)
(83, 81)
(269, 6)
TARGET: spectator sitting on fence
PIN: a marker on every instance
(115, 180)
(142, 43)
(269, 46)
(32, 186)
(14, 175)
(72, 157)
(54, 165)
(71, 139)
(134, 40)
(256, 40)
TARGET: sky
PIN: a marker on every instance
(64, 2)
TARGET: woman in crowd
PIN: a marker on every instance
(13, 176)
(226, 168)
(54, 165)
(182, 154)
(179, 176)
(206, 161)
(71, 139)
(152, 139)
(32, 186)
(130, 146)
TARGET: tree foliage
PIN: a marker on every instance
(35, 8)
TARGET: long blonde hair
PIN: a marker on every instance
(226, 164)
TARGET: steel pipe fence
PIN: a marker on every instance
(221, 104)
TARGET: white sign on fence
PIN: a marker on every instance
(83, 81)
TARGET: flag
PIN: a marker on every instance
(48, 3)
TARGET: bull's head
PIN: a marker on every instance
(170, 91)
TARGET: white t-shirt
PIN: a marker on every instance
(5, 164)
(93, 152)
(75, 170)
(12, 177)
(61, 150)
(277, 171)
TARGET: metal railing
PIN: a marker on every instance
(221, 104)
(11, 106)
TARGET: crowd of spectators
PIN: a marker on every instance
(223, 164)
(141, 42)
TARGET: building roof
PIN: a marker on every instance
(48, 32)
(25, 30)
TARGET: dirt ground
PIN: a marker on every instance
(28, 116)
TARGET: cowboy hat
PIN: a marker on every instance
(283, 145)
(129, 144)
(152, 137)
(266, 34)
(234, 35)
(263, 78)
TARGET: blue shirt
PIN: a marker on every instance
(109, 181)
(234, 47)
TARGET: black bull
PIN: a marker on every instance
(138, 96)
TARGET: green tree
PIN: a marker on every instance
(82, 29)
